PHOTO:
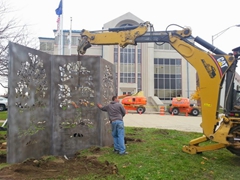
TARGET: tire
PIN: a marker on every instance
(144, 109)
(141, 110)
(175, 111)
(234, 132)
(2, 107)
(169, 110)
(195, 112)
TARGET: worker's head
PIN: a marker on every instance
(115, 98)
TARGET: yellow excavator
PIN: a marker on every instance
(213, 67)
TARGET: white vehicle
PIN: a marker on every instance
(3, 103)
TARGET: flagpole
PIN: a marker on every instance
(70, 38)
(59, 36)
(59, 12)
(61, 29)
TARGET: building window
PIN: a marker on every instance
(127, 64)
(65, 40)
(139, 82)
(115, 54)
(127, 55)
(167, 78)
(163, 46)
(127, 77)
(123, 25)
(50, 46)
(43, 46)
(56, 40)
(139, 64)
(74, 41)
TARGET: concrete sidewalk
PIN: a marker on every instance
(181, 123)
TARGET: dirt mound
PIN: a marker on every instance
(51, 167)
(58, 168)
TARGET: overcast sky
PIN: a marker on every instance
(205, 17)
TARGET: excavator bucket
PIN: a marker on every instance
(83, 45)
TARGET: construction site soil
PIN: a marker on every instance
(52, 167)
(79, 166)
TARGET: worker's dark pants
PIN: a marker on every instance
(118, 136)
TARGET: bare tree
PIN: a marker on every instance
(12, 30)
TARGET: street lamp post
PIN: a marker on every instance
(221, 32)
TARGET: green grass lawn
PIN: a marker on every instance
(3, 115)
(156, 154)
(159, 155)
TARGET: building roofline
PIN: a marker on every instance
(67, 31)
(47, 38)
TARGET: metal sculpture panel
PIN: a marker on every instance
(52, 103)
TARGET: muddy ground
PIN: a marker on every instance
(50, 167)
(57, 168)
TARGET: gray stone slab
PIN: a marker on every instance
(52, 103)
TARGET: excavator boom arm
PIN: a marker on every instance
(122, 36)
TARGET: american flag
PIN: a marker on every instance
(58, 24)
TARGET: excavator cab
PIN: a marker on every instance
(233, 107)
(236, 52)
(235, 111)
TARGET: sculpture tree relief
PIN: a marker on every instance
(79, 96)
(31, 90)
(107, 86)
